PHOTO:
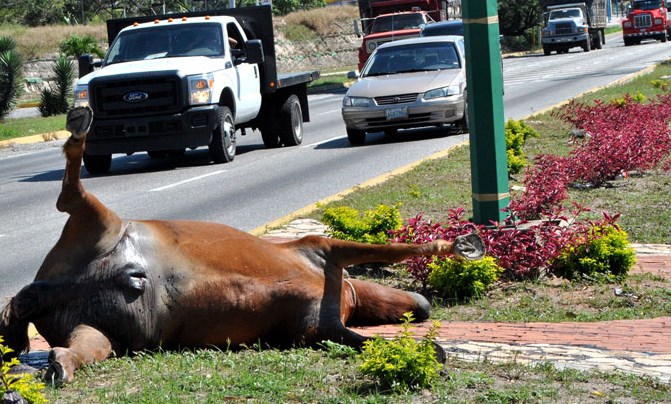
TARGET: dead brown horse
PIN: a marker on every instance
(113, 285)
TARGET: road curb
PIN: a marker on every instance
(44, 137)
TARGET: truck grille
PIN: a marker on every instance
(564, 29)
(396, 99)
(643, 21)
(162, 95)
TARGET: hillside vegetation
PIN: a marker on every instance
(42, 42)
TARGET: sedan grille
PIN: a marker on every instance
(396, 99)
(642, 21)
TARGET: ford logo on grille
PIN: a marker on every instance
(135, 96)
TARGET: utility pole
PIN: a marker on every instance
(489, 168)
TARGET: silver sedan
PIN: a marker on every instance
(408, 84)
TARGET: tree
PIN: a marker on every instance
(516, 17)
(11, 75)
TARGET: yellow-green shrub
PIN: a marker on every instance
(603, 254)
(402, 363)
(517, 133)
(461, 279)
(373, 226)
(24, 384)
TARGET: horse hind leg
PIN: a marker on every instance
(378, 304)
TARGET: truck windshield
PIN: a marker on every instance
(413, 58)
(568, 13)
(647, 4)
(203, 39)
(397, 22)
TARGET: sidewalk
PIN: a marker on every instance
(641, 347)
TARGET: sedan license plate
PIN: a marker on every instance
(396, 113)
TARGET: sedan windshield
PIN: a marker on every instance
(168, 41)
(413, 58)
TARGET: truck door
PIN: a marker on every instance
(248, 91)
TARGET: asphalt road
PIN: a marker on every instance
(262, 185)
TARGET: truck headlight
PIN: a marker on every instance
(658, 21)
(442, 92)
(626, 24)
(356, 102)
(371, 46)
(81, 96)
(200, 89)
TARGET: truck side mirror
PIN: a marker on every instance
(254, 51)
(85, 64)
(357, 28)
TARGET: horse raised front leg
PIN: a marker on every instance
(85, 345)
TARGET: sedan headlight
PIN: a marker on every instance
(200, 89)
(81, 96)
(442, 92)
(356, 102)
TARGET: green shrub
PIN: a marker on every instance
(402, 363)
(76, 45)
(57, 101)
(24, 384)
(461, 279)
(298, 33)
(11, 75)
(603, 254)
(517, 133)
(373, 226)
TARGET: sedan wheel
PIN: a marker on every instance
(356, 136)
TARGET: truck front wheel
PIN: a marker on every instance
(290, 119)
(222, 147)
(586, 45)
(97, 164)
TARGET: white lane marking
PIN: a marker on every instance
(327, 112)
(322, 142)
(2, 235)
(187, 181)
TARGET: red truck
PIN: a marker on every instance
(388, 20)
(647, 19)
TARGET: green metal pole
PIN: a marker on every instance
(489, 169)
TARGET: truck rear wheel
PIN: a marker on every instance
(97, 164)
(270, 134)
(290, 118)
(222, 147)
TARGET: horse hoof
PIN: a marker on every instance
(55, 374)
(79, 121)
(469, 246)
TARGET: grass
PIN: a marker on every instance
(13, 128)
(305, 375)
